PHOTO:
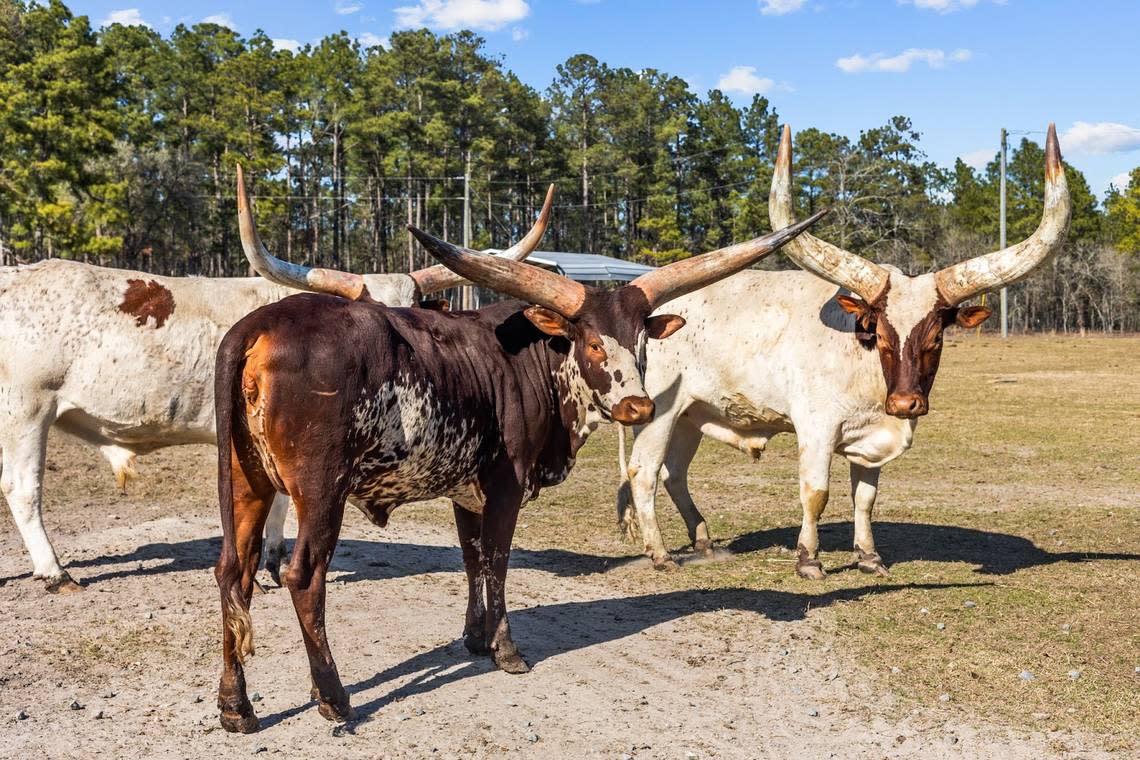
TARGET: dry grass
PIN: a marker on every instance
(1020, 496)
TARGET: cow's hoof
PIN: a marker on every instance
(62, 584)
(273, 564)
(476, 643)
(511, 662)
(665, 564)
(872, 564)
(337, 712)
(810, 568)
(703, 546)
(240, 721)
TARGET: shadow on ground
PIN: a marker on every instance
(993, 553)
(545, 631)
(357, 560)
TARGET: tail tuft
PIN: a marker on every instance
(241, 625)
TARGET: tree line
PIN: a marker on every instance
(118, 147)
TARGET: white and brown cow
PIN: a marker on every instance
(848, 370)
(125, 361)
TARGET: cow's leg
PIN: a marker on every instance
(682, 449)
(499, 518)
(319, 520)
(252, 497)
(815, 469)
(275, 536)
(645, 461)
(470, 526)
(864, 487)
(24, 444)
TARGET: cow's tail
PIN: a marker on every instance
(227, 395)
(626, 514)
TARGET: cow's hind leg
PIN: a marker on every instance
(682, 449)
(470, 527)
(499, 518)
(275, 536)
(252, 497)
(864, 488)
(24, 444)
(815, 468)
(319, 521)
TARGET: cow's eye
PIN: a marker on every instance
(596, 347)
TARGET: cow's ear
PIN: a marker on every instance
(663, 325)
(856, 306)
(972, 316)
(548, 320)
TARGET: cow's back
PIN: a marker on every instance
(127, 356)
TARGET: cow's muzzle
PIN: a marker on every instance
(633, 410)
(907, 405)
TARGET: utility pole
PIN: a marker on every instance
(467, 292)
(1001, 242)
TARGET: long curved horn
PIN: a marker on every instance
(436, 278)
(862, 277)
(679, 278)
(995, 270)
(523, 281)
(270, 267)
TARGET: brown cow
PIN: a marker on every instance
(325, 399)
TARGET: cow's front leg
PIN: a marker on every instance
(499, 519)
(650, 449)
(470, 527)
(815, 468)
(864, 487)
(318, 527)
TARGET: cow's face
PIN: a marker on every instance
(607, 337)
(905, 325)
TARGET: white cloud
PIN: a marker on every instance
(978, 158)
(780, 7)
(284, 44)
(126, 17)
(347, 7)
(484, 15)
(945, 6)
(518, 34)
(743, 80)
(368, 39)
(221, 19)
(1120, 181)
(1101, 138)
(896, 64)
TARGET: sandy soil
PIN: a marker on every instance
(616, 670)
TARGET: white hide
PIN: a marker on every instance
(71, 357)
(764, 353)
(594, 407)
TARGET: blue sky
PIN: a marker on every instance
(961, 69)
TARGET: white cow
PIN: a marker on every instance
(125, 361)
(775, 352)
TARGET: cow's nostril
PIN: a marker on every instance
(906, 405)
(633, 410)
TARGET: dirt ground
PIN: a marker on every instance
(732, 658)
